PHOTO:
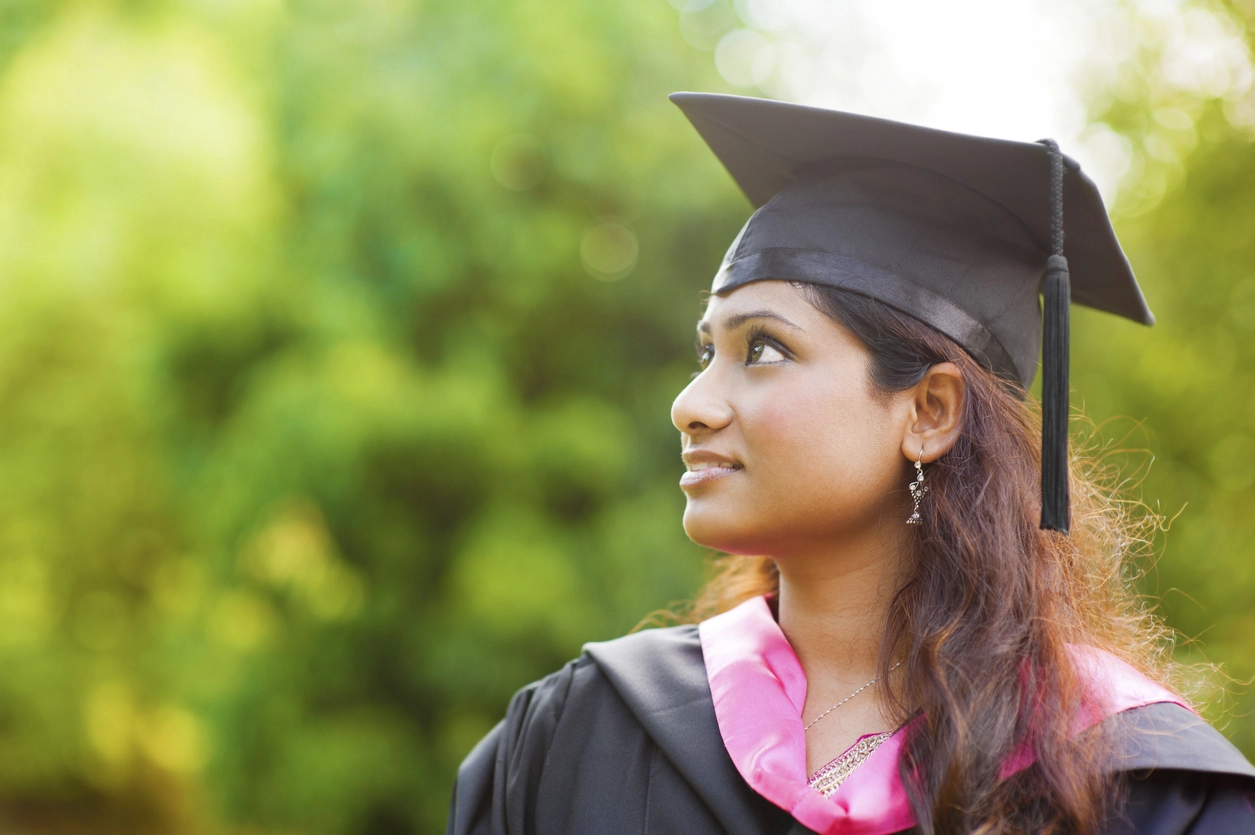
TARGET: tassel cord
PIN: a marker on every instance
(1056, 301)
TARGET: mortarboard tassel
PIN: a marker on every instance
(1056, 300)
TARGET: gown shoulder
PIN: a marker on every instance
(1181, 775)
(497, 777)
(623, 739)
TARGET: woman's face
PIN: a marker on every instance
(785, 443)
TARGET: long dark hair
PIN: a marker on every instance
(985, 619)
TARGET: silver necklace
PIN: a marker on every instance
(846, 699)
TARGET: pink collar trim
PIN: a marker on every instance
(759, 688)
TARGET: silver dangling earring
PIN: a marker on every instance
(918, 488)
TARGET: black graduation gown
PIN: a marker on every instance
(624, 740)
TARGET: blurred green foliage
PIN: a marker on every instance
(318, 437)
(337, 342)
(1179, 397)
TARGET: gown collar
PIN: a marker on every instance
(759, 688)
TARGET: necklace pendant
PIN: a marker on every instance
(830, 777)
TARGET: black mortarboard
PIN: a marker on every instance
(962, 232)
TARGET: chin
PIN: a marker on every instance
(723, 531)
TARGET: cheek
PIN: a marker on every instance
(822, 460)
(822, 450)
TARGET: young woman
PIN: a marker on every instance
(923, 623)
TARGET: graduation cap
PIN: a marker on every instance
(962, 232)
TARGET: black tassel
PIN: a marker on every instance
(1056, 301)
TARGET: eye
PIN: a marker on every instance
(705, 353)
(762, 352)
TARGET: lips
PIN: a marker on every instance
(705, 467)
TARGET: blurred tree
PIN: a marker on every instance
(337, 352)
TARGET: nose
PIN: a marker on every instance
(700, 408)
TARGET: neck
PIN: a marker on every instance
(834, 602)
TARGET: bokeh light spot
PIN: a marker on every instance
(609, 250)
(690, 5)
(702, 27)
(174, 739)
(745, 58)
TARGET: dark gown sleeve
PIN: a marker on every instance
(1182, 802)
(497, 782)
(1183, 777)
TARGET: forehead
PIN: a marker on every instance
(766, 296)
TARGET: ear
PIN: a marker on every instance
(935, 413)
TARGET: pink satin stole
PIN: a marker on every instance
(759, 689)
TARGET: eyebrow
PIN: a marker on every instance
(738, 319)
